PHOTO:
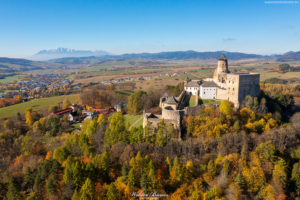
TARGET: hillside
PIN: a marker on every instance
(290, 56)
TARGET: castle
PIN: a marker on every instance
(224, 85)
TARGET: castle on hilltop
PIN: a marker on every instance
(224, 85)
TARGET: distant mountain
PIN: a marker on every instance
(289, 56)
(65, 52)
(182, 55)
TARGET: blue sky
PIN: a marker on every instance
(135, 26)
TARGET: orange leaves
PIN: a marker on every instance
(49, 155)
(85, 160)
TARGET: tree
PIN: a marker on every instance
(75, 195)
(135, 105)
(28, 178)
(116, 131)
(9, 124)
(124, 173)
(88, 190)
(249, 101)
(13, 190)
(52, 184)
(152, 183)
(53, 125)
(296, 176)
(160, 139)
(212, 168)
(112, 193)
(266, 150)
(175, 175)
(240, 181)
(29, 118)
(131, 178)
(144, 185)
(226, 108)
(52, 109)
(66, 103)
(236, 126)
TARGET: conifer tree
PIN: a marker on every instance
(52, 185)
(144, 185)
(236, 126)
(175, 175)
(104, 165)
(152, 184)
(239, 180)
(124, 173)
(139, 164)
(75, 195)
(28, 178)
(131, 178)
(112, 193)
(88, 190)
(160, 138)
(13, 190)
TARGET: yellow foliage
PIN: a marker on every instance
(269, 193)
(49, 155)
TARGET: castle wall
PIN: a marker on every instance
(241, 85)
(172, 114)
(221, 93)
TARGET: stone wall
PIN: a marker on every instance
(221, 93)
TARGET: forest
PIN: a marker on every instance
(250, 153)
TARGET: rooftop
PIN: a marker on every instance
(193, 84)
(209, 84)
(171, 100)
(223, 57)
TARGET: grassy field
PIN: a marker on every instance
(125, 92)
(210, 101)
(133, 118)
(192, 101)
(266, 75)
(9, 79)
(77, 126)
(36, 104)
(70, 76)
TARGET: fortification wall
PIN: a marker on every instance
(172, 114)
(180, 99)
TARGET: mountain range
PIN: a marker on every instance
(59, 53)
(65, 52)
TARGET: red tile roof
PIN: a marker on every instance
(61, 112)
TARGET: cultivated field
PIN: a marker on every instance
(36, 104)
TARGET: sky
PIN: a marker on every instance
(137, 26)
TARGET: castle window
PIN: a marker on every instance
(229, 88)
(228, 81)
(232, 82)
(232, 88)
(204, 93)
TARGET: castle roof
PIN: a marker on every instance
(187, 79)
(165, 95)
(193, 84)
(171, 100)
(209, 84)
(223, 57)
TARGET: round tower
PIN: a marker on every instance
(222, 65)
